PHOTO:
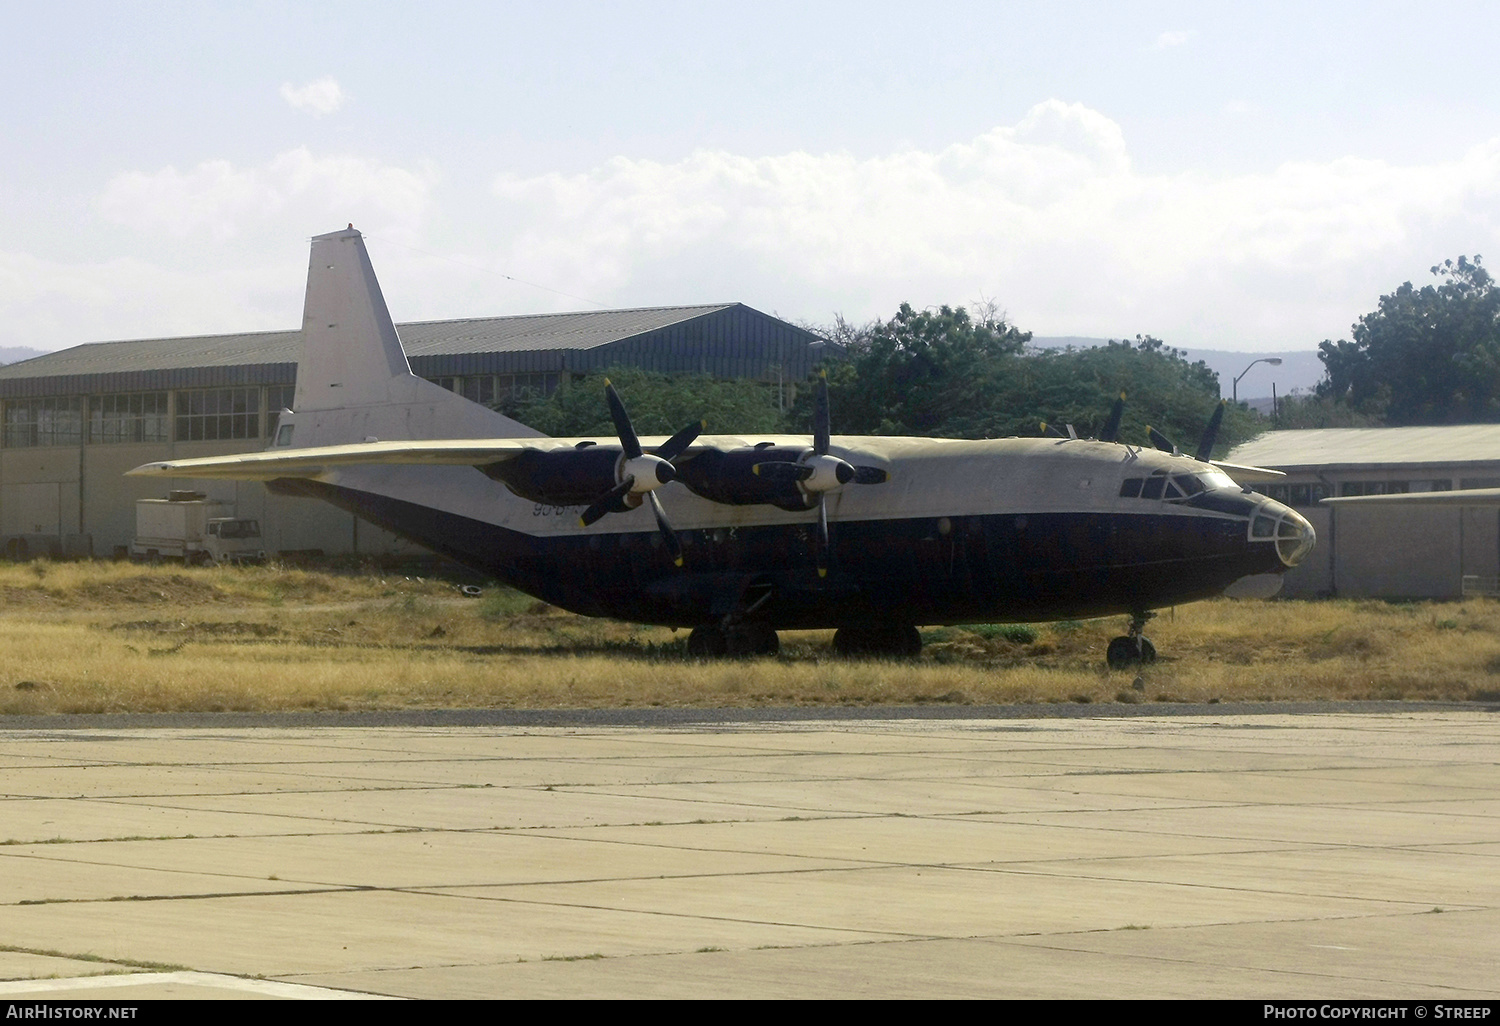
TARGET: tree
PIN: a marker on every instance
(946, 373)
(918, 371)
(1424, 356)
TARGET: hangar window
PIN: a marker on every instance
(1295, 494)
(57, 420)
(140, 417)
(517, 387)
(278, 398)
(209, 414)
(480, 388)
(1374, 487)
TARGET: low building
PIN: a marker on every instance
(73, 422)
(1387, 551)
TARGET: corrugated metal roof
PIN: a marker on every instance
(1324, 448)
(527, 333)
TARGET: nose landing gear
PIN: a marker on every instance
(1132, 649)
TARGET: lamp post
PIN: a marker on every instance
(1274, 361)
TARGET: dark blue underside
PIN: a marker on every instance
(999, 567)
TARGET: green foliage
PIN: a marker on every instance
(1424, 356)
(946, 374)
(920, 372)
(659, 404)
(937, 372)
(1015, 633)
(1320, 411)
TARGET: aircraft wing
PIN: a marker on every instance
(1243, 473)
(1458, 497)
(270, 464)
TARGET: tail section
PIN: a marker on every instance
(353, 379)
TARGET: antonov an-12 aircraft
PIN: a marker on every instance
(740, 536)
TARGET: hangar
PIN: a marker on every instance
(75, 421)
(1387, 552)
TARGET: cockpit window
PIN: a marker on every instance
(1153, 487)
(1189, 483)
(1130, 488)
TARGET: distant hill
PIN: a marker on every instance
(1300, 368)
(15, 354)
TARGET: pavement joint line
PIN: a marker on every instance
(1003, 869)
(117, 899)
(900, 934)
(1176, 960)
(188, 978)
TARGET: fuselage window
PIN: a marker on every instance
(1131, 488)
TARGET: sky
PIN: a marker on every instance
(1225, 176)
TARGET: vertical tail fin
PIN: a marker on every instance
(353, 379)
(351, 352)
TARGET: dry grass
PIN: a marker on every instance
(105, 637)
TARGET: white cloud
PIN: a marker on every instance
(319, 97)
(1048, 215)
(51, 304)
(1179, 37)
(288, 193)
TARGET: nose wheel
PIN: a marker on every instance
(1133, 649)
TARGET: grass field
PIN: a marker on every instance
(115, 637)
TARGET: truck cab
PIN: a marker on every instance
(233, 540)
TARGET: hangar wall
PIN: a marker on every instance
(1387, 551)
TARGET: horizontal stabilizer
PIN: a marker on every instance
(1482, 497)
(1242, 473)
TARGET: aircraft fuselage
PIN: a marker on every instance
(962, 532)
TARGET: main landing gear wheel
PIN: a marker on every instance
(1123, 653)
(745, 639)
(707, 643)
(878, 642)
(1133, 649)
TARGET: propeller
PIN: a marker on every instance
(1205, 443)
(1210, 433)
(820, 473)
(640, 473)
(1111, 431)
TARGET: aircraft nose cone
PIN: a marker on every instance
(1295, 538)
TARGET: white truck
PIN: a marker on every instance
(195, 529)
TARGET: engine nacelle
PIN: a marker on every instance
(567, 477)
(730, 478)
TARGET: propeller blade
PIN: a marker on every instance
(673, 447)
(1111, 430)
(1051, 432)
(1160, 440)
(628, 440)
(1210, 434)
(822, 550)
(822, 421)
(779, 470)
(870, 475)
(609, 502)
(668, 535)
